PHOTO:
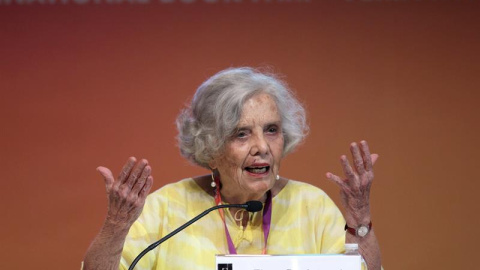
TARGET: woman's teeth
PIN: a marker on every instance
(257, 169)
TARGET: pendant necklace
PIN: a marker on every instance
(266, 219)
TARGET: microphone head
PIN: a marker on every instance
(254, 206)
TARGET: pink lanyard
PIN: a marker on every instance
(267, 218)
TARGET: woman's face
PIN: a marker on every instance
(252, 156)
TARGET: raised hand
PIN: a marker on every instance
(126, 195)
(126, 198)
(355, 187)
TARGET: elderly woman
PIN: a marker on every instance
(240, 125)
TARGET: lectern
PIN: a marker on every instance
(289, 262)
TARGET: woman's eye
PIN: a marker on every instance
(241, 134)
(272, 130)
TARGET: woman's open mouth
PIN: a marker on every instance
(258, 169)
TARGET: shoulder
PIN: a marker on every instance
(301, 194)
(182, 186)
(172, 191)
(298, 188)
(183, 193)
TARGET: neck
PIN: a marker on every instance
(241, 198)
(240, 215)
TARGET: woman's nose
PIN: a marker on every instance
(259, 146)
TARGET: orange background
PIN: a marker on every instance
(89, 85)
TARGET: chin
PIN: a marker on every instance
(263, 186)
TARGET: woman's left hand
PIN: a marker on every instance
(355, 187)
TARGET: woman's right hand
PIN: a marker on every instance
(126, 195)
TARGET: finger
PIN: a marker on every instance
(374, 158)
(107, 177)
(146, 188)
(347, 169)
(334, 178)
(137, 172)
(127, 168)
(357, 158)
(367, 157)
(141, 181)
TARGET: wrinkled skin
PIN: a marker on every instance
(355, 194)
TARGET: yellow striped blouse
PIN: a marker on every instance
(304, 221)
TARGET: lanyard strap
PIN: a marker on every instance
(266, 219)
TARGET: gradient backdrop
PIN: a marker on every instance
(84, 85)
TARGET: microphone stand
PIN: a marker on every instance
(251, 206)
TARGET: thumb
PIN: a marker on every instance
(374, 158)
(107, 177)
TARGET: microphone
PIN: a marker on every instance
(253, 206)
(250, 206)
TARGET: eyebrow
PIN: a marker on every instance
(276, 123)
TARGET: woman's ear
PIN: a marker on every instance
(213, 165)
